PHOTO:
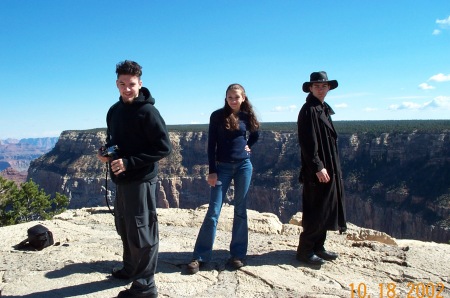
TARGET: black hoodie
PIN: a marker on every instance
(141, 135)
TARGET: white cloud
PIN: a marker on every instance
(425, 86)
(370, 109)
(445, 23)
(436, 32)
(341, 105)
(405, 106)
(440, 77)
(279, 109)
(440, 102)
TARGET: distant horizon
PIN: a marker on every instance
(206, 124)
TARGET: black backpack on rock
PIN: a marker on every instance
(39, 237)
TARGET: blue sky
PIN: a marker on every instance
(391, 58)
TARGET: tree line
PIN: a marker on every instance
(343, 126)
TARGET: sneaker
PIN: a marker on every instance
(236, 263)
(193, 266)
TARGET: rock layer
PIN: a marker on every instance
(395, 183)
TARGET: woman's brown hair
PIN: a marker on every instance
(232, 120)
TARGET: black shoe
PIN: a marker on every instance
(119, 274)
(129, 294)
(193, 267)
(327, 255)
(342, 230)
(313, 259)
(236, 263)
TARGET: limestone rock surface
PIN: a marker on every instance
(87, 247)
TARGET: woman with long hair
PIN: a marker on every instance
(233, 130)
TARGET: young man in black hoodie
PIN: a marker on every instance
(135, 126)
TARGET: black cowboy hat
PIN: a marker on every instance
(319, 77)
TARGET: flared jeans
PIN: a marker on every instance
(241, 173)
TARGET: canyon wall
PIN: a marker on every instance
(395, 182)
(17, 154)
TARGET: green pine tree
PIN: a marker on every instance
(7, 190)
(28, 203)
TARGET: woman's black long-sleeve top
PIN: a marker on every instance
(226, 145)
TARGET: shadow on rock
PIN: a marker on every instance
(80, 289)
(170, 262)
(278, 257)
(84, 268)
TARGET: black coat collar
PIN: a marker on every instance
(322, 109)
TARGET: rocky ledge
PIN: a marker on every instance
(87, 248)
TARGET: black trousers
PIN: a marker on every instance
(137, 224)
(311, 241)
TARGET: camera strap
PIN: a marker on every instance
(106, 189)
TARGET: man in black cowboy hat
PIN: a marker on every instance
(320, 174)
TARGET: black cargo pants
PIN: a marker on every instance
(137, 224)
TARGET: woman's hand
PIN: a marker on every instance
(212, 179)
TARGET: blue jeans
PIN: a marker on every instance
(241, 173)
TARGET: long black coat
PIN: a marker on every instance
(323, 203)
